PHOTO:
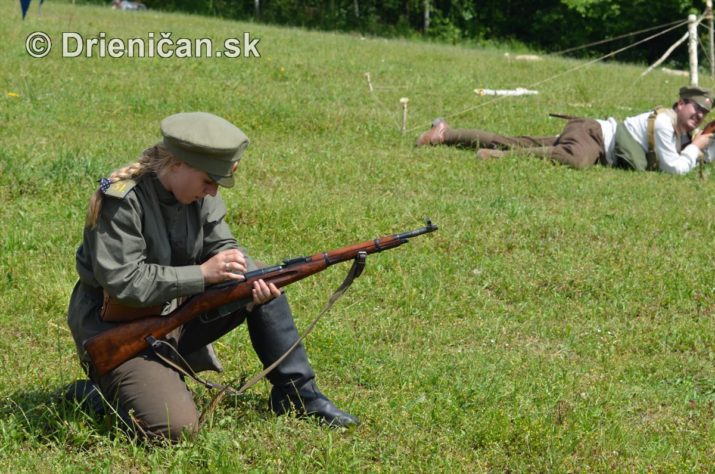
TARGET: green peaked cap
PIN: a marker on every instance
(699, 95)
(206, 142)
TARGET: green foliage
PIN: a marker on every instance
(584, 7)
(444, 30)
(548, 25)
(559, 321)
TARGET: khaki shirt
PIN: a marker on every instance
(145, 250)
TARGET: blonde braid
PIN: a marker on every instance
(156, 159)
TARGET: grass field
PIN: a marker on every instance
(559, 321)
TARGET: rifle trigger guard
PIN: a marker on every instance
(359, 264)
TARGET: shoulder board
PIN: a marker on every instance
(119, 189)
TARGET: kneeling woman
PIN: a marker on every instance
(155, 234)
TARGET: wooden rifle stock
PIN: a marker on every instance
(709, 128)
(115, 346)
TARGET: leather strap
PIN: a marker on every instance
(650, 154)
(113, 311)
(355, 271)
(563, 116)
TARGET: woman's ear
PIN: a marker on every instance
(175, 164)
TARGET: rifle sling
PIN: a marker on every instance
(563, 116)
(355, 271)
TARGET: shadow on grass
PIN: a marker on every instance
(46, 416)
(42, 416)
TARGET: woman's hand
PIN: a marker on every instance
(226, 265)
(263, 293)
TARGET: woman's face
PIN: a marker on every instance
(187, 183)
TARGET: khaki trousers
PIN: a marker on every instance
(153, 399)
(579, 145)
(152, 396)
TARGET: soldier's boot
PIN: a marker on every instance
(435, 135)
(272, 332)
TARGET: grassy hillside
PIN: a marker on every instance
(560, 320)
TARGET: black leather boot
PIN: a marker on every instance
(309, 401)
(272, 332)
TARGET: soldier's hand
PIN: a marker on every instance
(263, 293)
(225, 265)
(703, 140)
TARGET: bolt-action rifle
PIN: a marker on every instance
(115, 346)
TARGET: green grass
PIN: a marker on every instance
(559, 321)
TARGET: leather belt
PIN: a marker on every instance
(115, 312)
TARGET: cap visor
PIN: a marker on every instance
(223, 181)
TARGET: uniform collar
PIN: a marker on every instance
(165, 196)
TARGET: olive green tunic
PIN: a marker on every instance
(145, 250)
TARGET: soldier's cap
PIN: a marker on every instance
(206, 142)
(702, 97)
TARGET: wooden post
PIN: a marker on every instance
(404, 101)
(369, 82)
(711, 36)
(693, 48)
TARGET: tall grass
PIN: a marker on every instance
(560, 320)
